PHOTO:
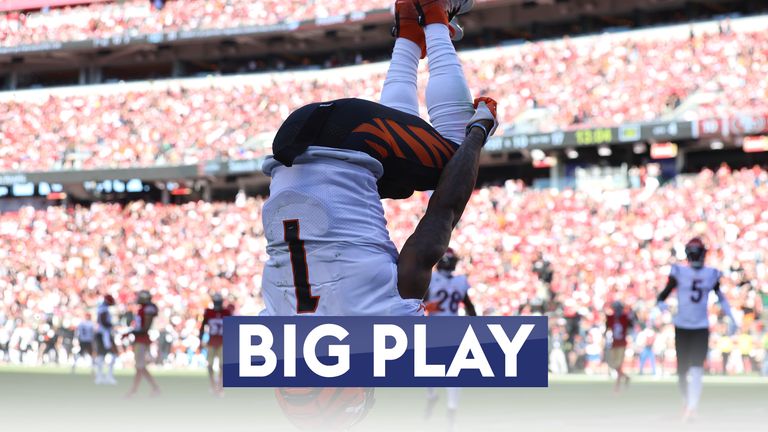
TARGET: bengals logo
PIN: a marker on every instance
(325, 408)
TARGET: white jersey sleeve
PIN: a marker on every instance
(85, 331)
(693, 289)
(101, 311)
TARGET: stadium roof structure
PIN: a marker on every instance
(352, 32)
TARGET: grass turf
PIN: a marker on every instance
(52, 399)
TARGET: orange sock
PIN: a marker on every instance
(413, 32)
(434, 12)
(408, 24)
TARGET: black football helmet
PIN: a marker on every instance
(218, 301)
(144, 297)
(695, 251)
(448, 261)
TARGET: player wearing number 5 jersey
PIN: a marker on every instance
(693, 284)
(213, 319)
(329, 249)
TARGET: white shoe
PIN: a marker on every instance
(453, 7)
(458, 7)
(99, 380)
(466, 6)
(457, 32)
(110, 381)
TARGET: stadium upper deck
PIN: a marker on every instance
(600, 80)
(137, 17)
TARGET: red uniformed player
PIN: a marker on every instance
(214, 320)
(618, 324)
(143, 322)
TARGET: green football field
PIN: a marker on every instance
(50, 399)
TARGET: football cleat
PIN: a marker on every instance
(453, 8)
(405, 12)
(457, 32)
(408, 23)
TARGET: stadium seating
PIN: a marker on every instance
(138, 17)
(595, 81)
(602, 247)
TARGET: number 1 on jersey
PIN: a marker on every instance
(305, 301)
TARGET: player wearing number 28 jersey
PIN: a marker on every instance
(446, 292)
(693, 283)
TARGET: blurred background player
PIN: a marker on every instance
(48, 343)
(446, 292)
(646, 340)
(105, 343)
(142, 323)
(213, 319)
(693, 282)
(84, 334)
(358, 152)
(618, 324)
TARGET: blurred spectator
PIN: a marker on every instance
(58, 261)
(764, 370)
(602, 80)
(141, 17)
(645, 342)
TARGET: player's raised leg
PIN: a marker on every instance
(449, 101)
(400, 89)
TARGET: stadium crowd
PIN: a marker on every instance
(566, 253)
(140, 17)
(596, 81)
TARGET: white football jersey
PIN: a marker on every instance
(325, 225)
(85, 331)
(447, 292)
(104, 308)
(693, 288)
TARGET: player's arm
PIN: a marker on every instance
(104, 320)
(671, 284)
(469, 307)
(202, 329)
(726, 307)
(430, 239)
(144, 324)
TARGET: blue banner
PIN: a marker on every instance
(312, 351)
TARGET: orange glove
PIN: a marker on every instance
(485, 110)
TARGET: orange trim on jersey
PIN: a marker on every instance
(435, 146)
(413, 143)
(445, 142)
(379, 149)
(373, 130)
(391, 140)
